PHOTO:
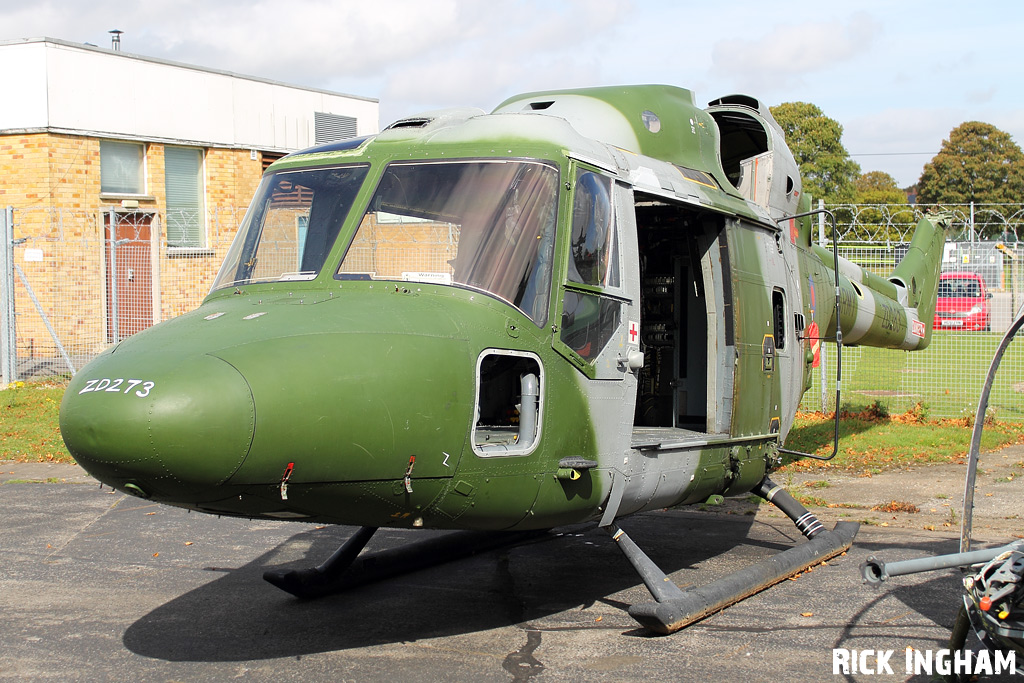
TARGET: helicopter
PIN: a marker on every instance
(585, 304)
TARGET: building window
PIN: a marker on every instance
(122, 167)
(183, 178)
(332, 127)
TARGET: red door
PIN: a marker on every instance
(129, 275)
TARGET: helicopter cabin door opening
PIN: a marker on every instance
(686, 319)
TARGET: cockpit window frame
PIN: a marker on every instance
(248, 239)
(543, 297)
(603, 303)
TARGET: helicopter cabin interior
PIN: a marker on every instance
(686, 290)
(684, 320)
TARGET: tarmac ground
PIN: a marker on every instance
(96, 585)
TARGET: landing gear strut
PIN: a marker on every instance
(674, 608)
(346, 568)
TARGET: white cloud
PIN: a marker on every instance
(782, 57)
(983, 95)
(933, 66)
(479, 70)
(311, 40)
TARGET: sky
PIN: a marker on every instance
(897, 75)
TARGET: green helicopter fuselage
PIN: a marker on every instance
(585, 304)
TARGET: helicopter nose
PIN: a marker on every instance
(171, 431)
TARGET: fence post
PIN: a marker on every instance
(8, 350)
(972, 229)
(114, 244)
(822, 354)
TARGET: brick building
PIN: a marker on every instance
(128, 176)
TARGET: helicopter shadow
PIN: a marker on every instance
(238, 616)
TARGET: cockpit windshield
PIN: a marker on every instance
(291, 226)
(483, 224)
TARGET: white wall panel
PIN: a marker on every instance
(24, 82)
(105, 93)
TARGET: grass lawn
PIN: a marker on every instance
(28, 423)
(871, 441)
(946, 378)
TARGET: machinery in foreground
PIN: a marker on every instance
(993, 603)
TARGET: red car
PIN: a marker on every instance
(962, 303)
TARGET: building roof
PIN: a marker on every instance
(180, 65)
(77, 89)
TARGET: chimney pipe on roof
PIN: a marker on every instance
(115, 40)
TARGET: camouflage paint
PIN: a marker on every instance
(347, 401)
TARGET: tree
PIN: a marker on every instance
(883, 210)
(878, 187)
(978, 163)
(816, 142)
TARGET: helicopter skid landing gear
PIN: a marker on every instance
(346, 568)
(674, 609)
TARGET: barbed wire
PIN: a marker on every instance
(895, 223)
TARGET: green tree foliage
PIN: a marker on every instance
(882, 207)
(816, 142)
(878, 187)
(978, 163)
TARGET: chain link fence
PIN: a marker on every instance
(77, 282)
(945, 379)
(888, 224)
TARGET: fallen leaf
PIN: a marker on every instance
(149, 514)
(188, 542)
(807, 614)
(156, 554)
(599, 619)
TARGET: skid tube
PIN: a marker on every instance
(674, 608)
(346, 568)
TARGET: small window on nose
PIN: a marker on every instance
(508, 406)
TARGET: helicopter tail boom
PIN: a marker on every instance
(894, 312)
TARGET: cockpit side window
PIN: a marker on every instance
(589, 316)
(594, 255)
